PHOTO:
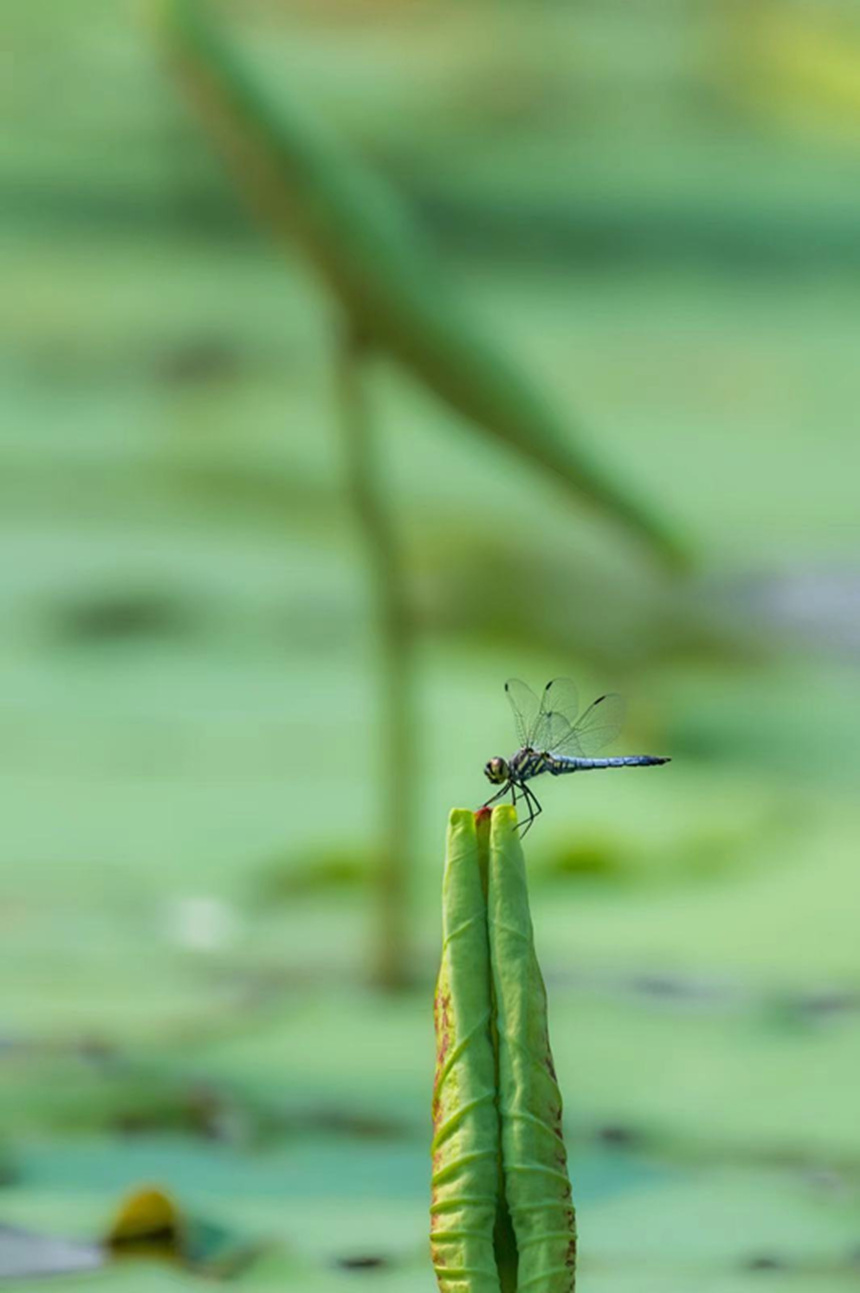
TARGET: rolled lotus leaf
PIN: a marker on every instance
(534, 1161)
(465, 1148)
(502, 1218)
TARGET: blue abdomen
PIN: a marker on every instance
(559, 765)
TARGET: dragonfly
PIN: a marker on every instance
(553, 739)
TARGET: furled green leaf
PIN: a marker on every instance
(502, 1218)
(309, 187)
(465, 1117)
(534, 1161)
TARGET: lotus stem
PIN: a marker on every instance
(395, 662)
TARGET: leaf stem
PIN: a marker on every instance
(365, 487)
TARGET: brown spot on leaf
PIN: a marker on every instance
(441, 1009)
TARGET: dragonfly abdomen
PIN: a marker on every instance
(558, 765)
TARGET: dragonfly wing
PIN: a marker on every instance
(598, 726)
(559, 736)
(525, 706)
(558, 709)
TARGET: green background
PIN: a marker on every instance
(654, 211)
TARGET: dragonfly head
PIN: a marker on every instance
(497, 771)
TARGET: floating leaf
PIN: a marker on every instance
(150, 1224)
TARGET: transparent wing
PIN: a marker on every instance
(598, 726)
(526, 708)
(558, 709)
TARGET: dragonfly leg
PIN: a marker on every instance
(504, 790)
(528, 801)
(533, 806)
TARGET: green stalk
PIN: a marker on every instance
(394, 625)
(502, 1217)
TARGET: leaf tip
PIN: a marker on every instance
(505, 818)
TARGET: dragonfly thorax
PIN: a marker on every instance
(527, 763)
(497, 771)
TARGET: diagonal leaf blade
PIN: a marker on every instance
(309, 187)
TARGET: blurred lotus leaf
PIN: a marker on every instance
(150, 1224)
(324, 870)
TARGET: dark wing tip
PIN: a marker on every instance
(554, 682)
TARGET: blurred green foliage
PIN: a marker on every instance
(393, 297)
(668, 245)
(393, 304)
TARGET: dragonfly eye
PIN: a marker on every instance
(496, 770)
